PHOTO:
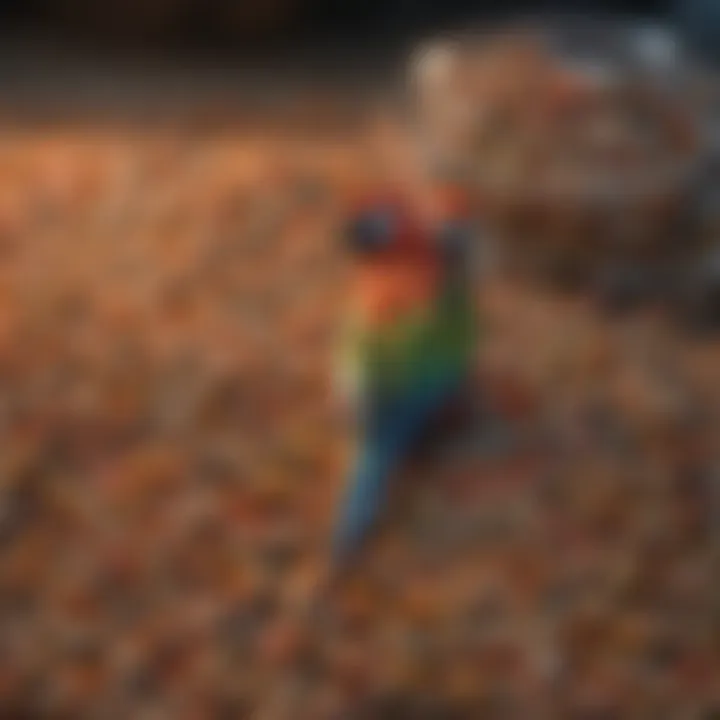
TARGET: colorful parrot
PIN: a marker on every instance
(409, 346)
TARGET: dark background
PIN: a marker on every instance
(238, 25)
(62, 52)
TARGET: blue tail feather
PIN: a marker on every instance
(390, 431)
(366, 496)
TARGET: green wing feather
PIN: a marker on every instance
(419, 348)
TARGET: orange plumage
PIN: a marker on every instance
(401, 278)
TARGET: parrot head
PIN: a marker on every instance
(396, 267)
(384, 228)
(403, 255)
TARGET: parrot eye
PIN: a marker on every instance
(371, 231)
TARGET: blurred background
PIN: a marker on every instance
(225, 24)
(174, 175)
